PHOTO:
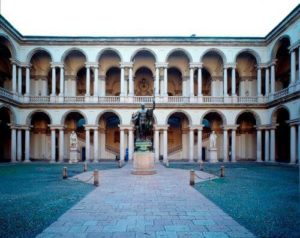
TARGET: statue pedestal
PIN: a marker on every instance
(143, 163)
(74, 155)
(213, 155)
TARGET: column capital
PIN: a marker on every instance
(294, 46)
(91, 65)
(14, 61)
(57, 64)
(231, 127)
(126, 127)
(56, 126)
(272, 63)
(161, 127)
(293, 122)
(194, 65)
(229, 65)
(126, 64)
(271, 126)
(89, 127)
(161, 65)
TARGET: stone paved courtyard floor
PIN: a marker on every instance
(161, 205)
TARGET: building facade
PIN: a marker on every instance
(247, 90)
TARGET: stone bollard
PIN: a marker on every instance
(65, 172)
(222, 171)
(201, 166)
(96, 177)
(120, 164)
(85, 167)
(192, 177)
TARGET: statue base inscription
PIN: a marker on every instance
(213, 155)
(74, 155)
(143, 163)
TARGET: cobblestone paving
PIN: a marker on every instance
(161, 205)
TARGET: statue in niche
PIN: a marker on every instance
(73, 140)
(213, 140)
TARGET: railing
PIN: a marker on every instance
(109, 99)
(74, 99)
(178, 99)
(247, 99)
(142, 99)
(212, 99)
(39, 99)
(6, 94)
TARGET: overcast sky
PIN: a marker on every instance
(146, 17)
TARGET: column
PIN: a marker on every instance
(88, 81)
(27, 145)
(233, 82)
(156, 144)
(293, 66)
(122, 151)
(130, 143)
(27, 91)
(96, 144)
(52, 145)
(96, 81)
(267, 82)
(165, 91)
(130, 79)
(272, 78)
(225, 145)
(157, 81)
(61, 81)
(14, 77)
(225, 83)
(267, 145)
(299, 71)
(200, 81)
(165, 140)
(20, 80)
(61, 145)
(299, 135)
(258, 81)
(199, 145)
(87, 144)
(272, 145)
(258, 145)
(13, 144)
(293, 144)
(53, 90)
(19, 145)
(233, 145)
(192, 82)
(191, 145)
(122, 83)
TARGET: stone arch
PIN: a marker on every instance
(29, 116)
(11, 46)
(179, 111)
(251, 52)
(36, 50)
(217, 51)
(67, 52)
(106, 111)
(224, 120)
(275, 111)
(12, 114)
(277, 45)
(63, 118)
(109, 49)
(143, 49)
(255, 115)
(185, 52)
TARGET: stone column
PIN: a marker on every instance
(96, 81)
(272, 145)
(225, 83)
(258, 145)
(225, 145)
(293, 67)
(61, 145)
(87, 144)
(267, 82)
(131, 84)
(19, 145)
(52, 145)
(191, 144)
(233, 145)
(199, 145)
(13, 145)
(299, 73)
(299, 134)
(27, 145)
(165, 89)
(273, 78)
(122, 141)
(130, 143)
(192, 82)
(157, 81)
(200, 81)
(88, 81)
(20, 80)
(53, 90)
(165, 140)
(14, 77)
(293, 144)
(233, 82)
(27, 91)
(156, 144)
(122, 83)
(61, 81)
(96, 144)
(267, 145)
(258, 81)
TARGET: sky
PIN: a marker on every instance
(146, 17)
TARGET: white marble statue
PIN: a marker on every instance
(73, 140)
(213, 140)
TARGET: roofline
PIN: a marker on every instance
(281, 26)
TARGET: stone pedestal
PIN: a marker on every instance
(143, 163)
(213, 155)
(74, 155)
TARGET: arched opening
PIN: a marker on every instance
(81, 89)
(246, 79)
(282, 135)
(112, 82)
(5, 65)
(178, 136)
(109, 136)
(212, 121)
(40, 138)
(143, 82)
(5, 132)
(246, 136)
(174, 82)
(283, 64)
(144, 58)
